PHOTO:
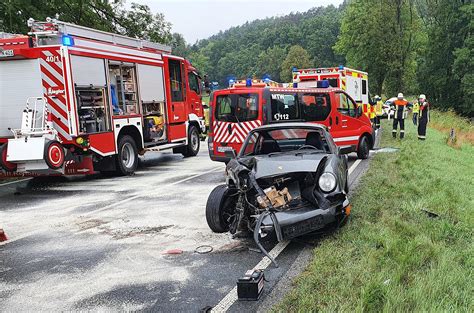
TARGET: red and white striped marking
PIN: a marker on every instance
(238, 131)
(54, 91)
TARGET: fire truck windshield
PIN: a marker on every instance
(237, 107)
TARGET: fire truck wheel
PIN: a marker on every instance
(7, 166)
(364, 148)
(193, 142)
(54, 155)
(127, 158)
(219, 209)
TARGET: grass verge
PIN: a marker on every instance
(392, 256)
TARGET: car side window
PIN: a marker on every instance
(352, 107)
(315, 107)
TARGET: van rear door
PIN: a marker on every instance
(235, 114)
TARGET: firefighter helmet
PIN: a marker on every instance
(422, 96)
(400, 96)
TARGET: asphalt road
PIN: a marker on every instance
(95, 243)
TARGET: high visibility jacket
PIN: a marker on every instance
(416, 107)
(379, 108)
(400, 109)
(372, 111)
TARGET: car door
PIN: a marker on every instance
(176, 105)
(346, 126)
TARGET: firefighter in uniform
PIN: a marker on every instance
(372, 115)
(416, 110)
(399, 116)
(378, 110)
(424, 117)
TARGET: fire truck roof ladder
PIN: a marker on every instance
(99, 35)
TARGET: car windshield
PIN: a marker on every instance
(276, 141)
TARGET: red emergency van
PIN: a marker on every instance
(75, 100)
(235, 111)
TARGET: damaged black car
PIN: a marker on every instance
(289, 179)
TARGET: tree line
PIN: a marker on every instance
(410, 46)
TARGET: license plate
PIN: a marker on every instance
(224, 149)
(6, 53)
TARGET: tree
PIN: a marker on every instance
(446, 67)
(111, 16)
(379, 36)
(269, 62)
(297, 57)
(178, 45)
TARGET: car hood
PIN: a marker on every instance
(287, 163)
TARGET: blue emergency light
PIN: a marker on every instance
(231, 82)
(294, 69)
(322, 84)
(341, 67)
(248, 82)
(67, 41)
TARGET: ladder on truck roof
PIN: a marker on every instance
(64, 28)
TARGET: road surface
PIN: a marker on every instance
(96, 243)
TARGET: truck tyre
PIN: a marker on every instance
(192, 148)
(219, 208)
(7, 166)
(54, 154)
(364, 148)
(127, 157)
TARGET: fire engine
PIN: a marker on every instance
(237, 110)
(76, 100)
(354, 82)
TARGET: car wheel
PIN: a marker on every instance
(194, 142)
(364, 148)
(7, 166)
(54, 155)
(219, 209)
(127, 157)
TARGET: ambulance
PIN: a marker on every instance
(354, 82)
(235, 111)
(75, 100)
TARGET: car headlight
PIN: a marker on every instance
(327, 182)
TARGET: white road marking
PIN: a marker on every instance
(14, 182)
(231, 297)
(353, 167)
(147, 192)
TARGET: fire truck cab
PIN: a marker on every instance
(74, 100)
(235, 111)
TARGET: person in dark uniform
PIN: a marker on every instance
(423, 117)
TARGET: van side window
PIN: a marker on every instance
(176, 80)
(346, 105)
(315, 107)
(364, 87)
(284, 107)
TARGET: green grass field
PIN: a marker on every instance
(392, 256)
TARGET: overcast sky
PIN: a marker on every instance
(199, 19)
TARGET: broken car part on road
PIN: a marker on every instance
(289, 179)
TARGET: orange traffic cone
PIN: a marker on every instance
(3, 236)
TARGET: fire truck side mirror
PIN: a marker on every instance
(359, 110)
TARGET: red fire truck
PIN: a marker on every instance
(237, 110)
(94, 101)
(354, 82)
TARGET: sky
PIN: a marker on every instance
(199, 19)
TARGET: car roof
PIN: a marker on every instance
(290, 125)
